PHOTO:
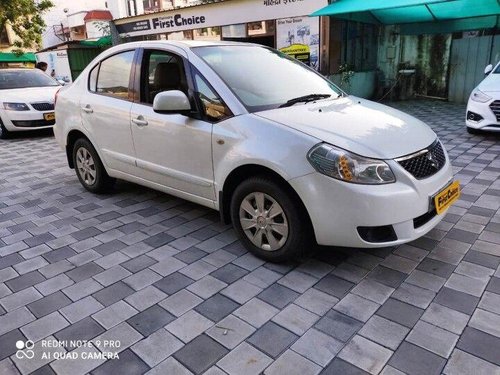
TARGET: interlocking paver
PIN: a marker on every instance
(200, 354)
(114, 314)
(44, 326)
(339, 326)
(384, 331)
(62, 250)
(180, 302)
(272, 339)
(357, 307)
(365, 354)
(157, 347)
(295, 319)
(412, 359)
(150, 320)
(244, 360)
(290, 362)
(230, 331)
(129, 363)
(189, 326)
(400, 312)
(457, 300)
(463, 363)
(433, 338)
(317, 347)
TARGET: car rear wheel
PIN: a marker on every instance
(89, 168)
(268, 220)
(4, 133)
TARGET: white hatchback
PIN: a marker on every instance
(26, 100)
(280, 151)
(483, 109)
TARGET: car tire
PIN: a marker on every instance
(473, 131)
(89, 168)
(287, 216)
(4, 133)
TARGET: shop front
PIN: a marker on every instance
(281, 24)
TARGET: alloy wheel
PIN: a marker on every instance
(263, 221)
(86, 166)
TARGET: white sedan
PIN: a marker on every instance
(26, 100)
(483, 109)
(280, 151)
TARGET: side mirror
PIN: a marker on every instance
(488, 69)
(170, 102)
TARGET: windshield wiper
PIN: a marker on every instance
(304, 99)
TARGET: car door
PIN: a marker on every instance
(173, 150)
(105, 110)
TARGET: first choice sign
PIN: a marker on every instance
(176, 21)
(161, 23)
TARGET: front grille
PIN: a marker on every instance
(33, 123)
(43, 106)
(495, 107)
(426, 162)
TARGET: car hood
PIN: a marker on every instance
(29, 94)
(490, 83)
(358, 125)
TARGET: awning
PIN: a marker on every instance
(101, 42)
(454, 14)
(10, 57)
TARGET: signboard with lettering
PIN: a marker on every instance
(299, 38)
(216, 14)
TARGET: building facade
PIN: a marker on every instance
(282, 24)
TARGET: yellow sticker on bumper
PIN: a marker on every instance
(447, 196)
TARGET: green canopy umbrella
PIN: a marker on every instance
(10, 57)
(101, 42)
(419, 16)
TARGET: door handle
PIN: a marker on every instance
(139, 121)
(87, 109)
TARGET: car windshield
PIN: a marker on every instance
(263, 78)
(17, 79)
(497, 70)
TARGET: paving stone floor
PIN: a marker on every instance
(173, 285)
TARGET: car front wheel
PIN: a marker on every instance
(268, 220)
(89, 168)
(4, 133)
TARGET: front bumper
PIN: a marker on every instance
(25, 120)
(489, 120)
(337, 209)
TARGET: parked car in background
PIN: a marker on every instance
(483, 109)
(26, 100)
(280, 151)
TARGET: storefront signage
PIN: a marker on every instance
(299, 38)
(216, 14)
(176, 21)
(280, 2)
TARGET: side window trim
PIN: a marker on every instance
(96, 66)
(200, 105)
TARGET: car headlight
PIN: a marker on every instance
(346, 166)
(479, 96)
(16, 106)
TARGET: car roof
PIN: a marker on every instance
(184, 44)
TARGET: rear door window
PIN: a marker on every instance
(114, 75)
